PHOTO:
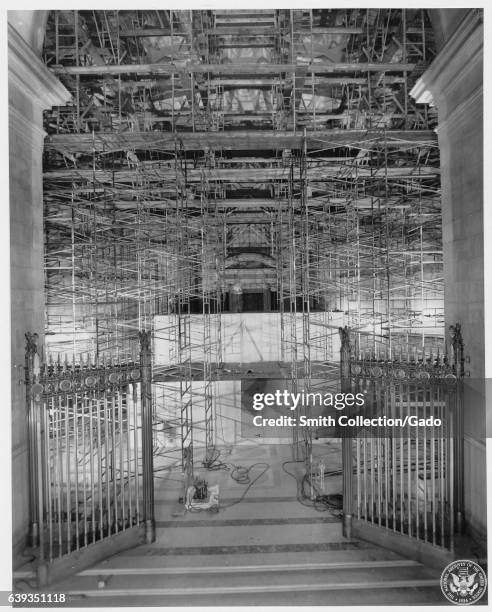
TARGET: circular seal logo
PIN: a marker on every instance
(463, 582)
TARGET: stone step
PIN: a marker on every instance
(246, 569)
(263, 508)
(328, 572)
(159, 550)
(246, 535)
(143, 559)
(190, 582)
(212, 522)
(370, 595)
(293, 586)
(355, 554)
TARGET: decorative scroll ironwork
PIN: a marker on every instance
(436, 370)
(63, 377)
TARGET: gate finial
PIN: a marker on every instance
(458, 347)
(31, 343)
(456, 337)
(32, 355)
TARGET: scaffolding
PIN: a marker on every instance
(382, 234)
(109, 253)
(184, 389)
(275, 148)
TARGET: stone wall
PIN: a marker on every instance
(32, 88)
(454, 83)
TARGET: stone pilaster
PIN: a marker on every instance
(454, 84)
(32, 88)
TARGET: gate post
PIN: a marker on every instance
(459, 365)
(31, 372)
(147, 444)
(347, 461)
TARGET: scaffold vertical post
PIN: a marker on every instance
(32, 360)
(147, 442)
(347, 460)
(457, 407)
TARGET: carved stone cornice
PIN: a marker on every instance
(461, 52)
(28, 73)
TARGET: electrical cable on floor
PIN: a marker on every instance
(213, 464)
(238, 473)
(322, 502)
(243, 478)
(328, 501)
(301, 497)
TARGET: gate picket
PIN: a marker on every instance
(90, 448)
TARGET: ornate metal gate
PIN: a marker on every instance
(90, 447)
(400, 476)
